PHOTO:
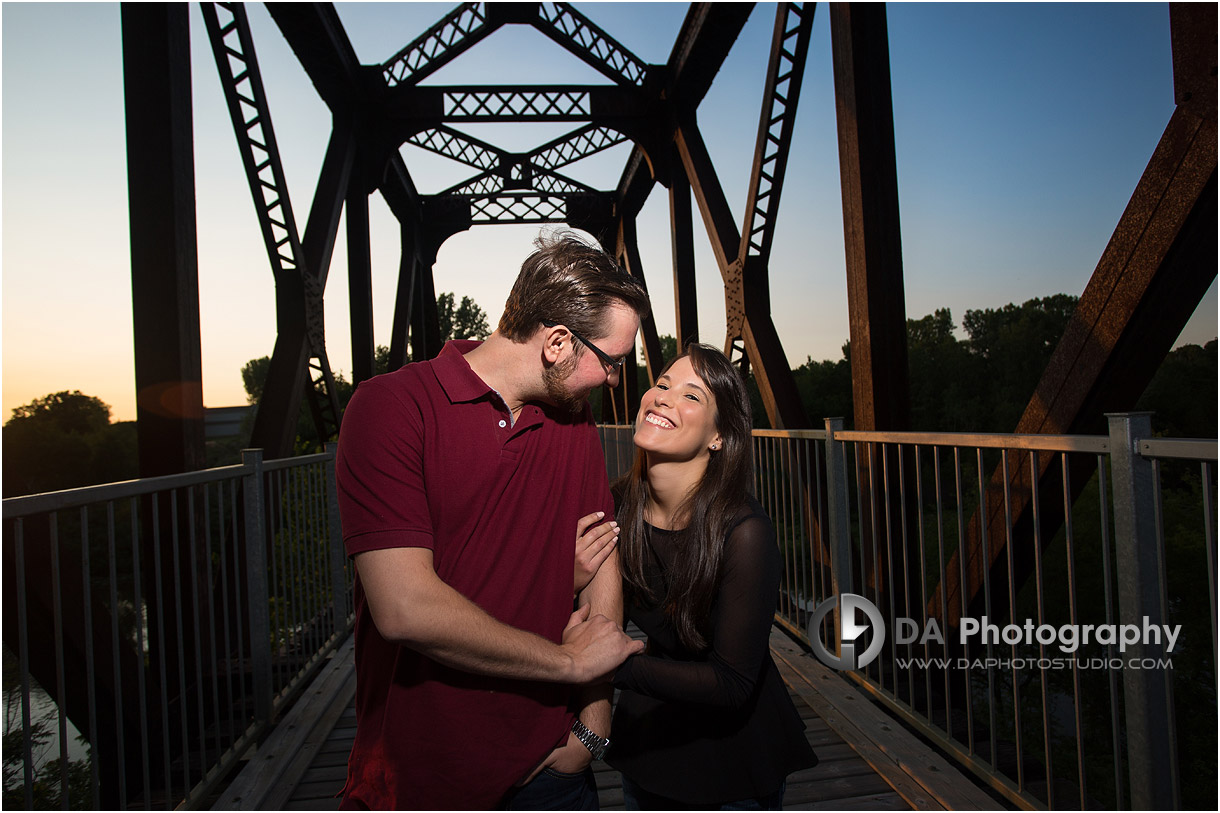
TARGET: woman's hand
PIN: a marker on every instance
(594, 543)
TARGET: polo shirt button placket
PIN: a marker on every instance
(503, 423)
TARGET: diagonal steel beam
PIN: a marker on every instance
(576, 33)
(1158, 265)
(782, 92)
(451, 36)
(300, 344)
(762, 345)
(316, 35)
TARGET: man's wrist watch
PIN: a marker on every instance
(597, 745)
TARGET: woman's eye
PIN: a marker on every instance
(693, 397)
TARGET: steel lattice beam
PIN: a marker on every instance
(298, 290)
(442, 43)
(575, 32)
(785, 72)
(575, 145)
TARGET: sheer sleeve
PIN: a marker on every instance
(741, 622)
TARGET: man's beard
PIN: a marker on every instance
(554, 377)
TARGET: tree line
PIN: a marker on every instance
(978, 383)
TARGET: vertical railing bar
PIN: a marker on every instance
(870, 452)
(1108, 593)
(314, 571)
(334, 544)
(889, 561)
(282, 547)
(317, 544)
(1012, 614)
(256, 585)
(923, 583)
(790, 523)
(984, 516)
(141, 622)
(288, 521)
(90, 666)
(23, 655)
(863, 571)
(965, 589)
(819, 522)
(804, 526)
(279, 569)
(192, 539)
(225, 623)
(115, 647)
(1151, 748)
(1073, 616)
(1171, 723)
(300, 627)
(307, 573)
(1036, 511)
(163, 689)
(239, 603)
(1209, 540)
(906, 566)
(57, 610)
(221, 740)
(944, 601)
(183, 710)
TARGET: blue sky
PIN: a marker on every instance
(1021, 131)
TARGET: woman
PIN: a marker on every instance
(704, 719)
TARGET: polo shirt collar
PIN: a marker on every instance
(460, 383)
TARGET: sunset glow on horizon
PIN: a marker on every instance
(1021, 132)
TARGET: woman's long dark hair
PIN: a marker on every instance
(709, 510)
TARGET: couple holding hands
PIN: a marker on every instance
(461, 480)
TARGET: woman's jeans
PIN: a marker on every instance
(636, 798)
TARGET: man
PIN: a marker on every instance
(461, 480)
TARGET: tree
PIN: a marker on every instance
(66, 440)
(467, 321)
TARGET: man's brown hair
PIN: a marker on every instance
(568, 282)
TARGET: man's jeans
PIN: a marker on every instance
(552, 790)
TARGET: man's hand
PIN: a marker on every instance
(593, 546)
(596, 646)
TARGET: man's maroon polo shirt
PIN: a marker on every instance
(428, 457)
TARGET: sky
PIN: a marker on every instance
(1021, 131)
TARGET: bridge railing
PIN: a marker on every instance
(977, 551)
(153, 628)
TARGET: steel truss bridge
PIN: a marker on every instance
(1157, 266)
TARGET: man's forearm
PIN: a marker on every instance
(410, 605)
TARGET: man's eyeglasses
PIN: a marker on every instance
(614, 364)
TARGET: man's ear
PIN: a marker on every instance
(554, 340)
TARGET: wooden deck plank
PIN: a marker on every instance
(920, 775)
(854, 772)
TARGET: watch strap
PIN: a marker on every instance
(597, 745)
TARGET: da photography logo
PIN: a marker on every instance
(850, 631)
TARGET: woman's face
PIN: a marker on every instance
(677, 417)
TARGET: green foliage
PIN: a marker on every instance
(66, 440)
(1182, 394)
(466, 321)
(982, 383)
(47, 787)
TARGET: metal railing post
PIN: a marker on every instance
(839, 522)
(256, 582)
(1151, 749)
(338, 557)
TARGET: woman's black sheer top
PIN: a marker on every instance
(714, 726)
